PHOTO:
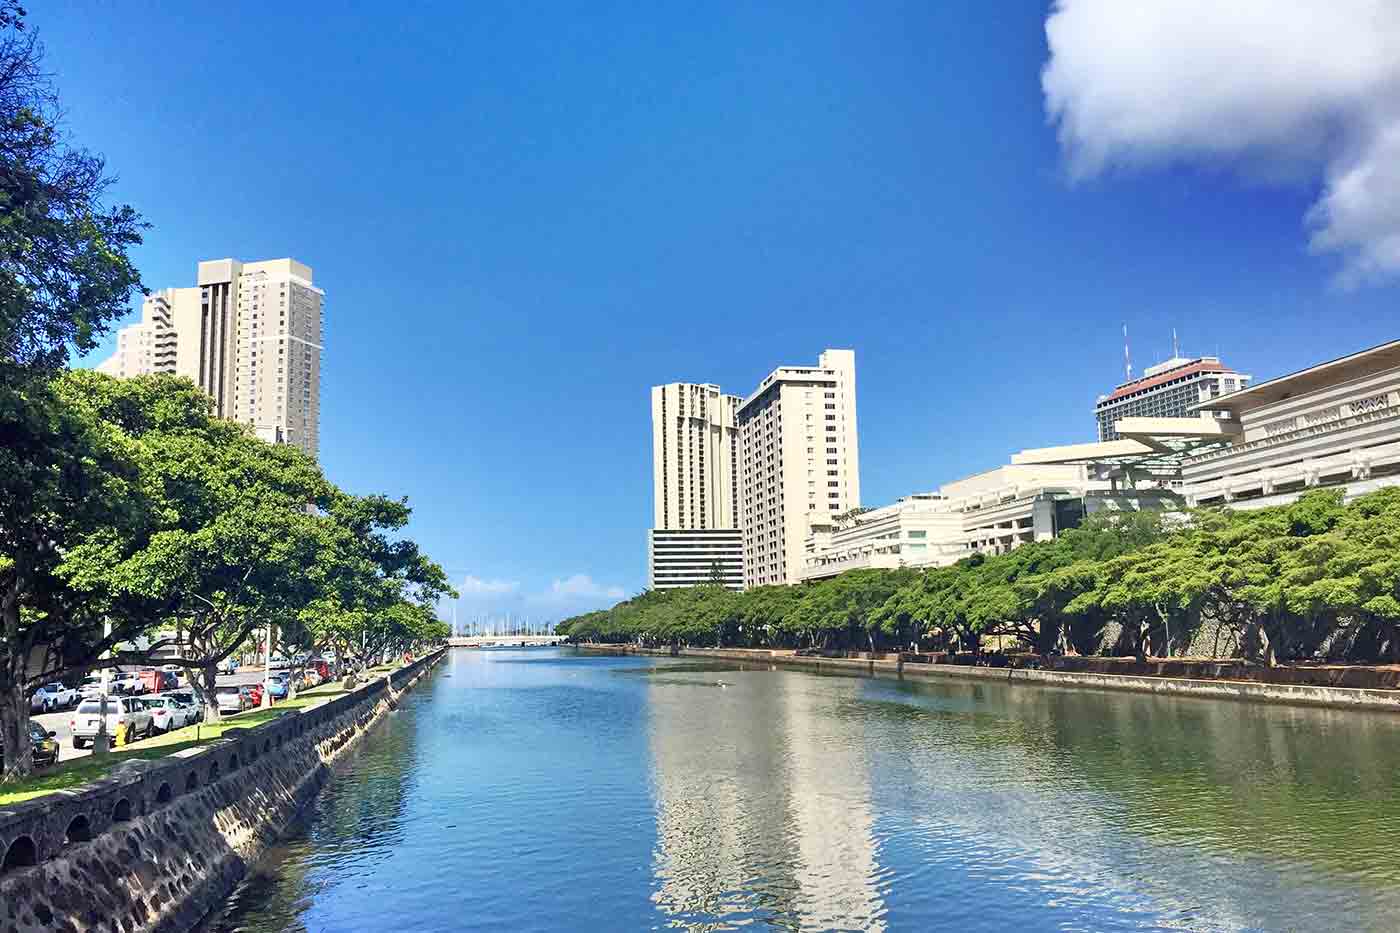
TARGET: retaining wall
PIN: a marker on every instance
(155, 845)
(1336, 697)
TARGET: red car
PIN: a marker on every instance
(255, 692)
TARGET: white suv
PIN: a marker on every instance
(125, 715)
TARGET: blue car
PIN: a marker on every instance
(277, 687)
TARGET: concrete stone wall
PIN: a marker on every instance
(157, 844)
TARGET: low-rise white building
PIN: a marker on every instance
(915, 531)
(990, 512)
(1335, 424)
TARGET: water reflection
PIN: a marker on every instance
(763, 804)
(337, 850)
(545, 790)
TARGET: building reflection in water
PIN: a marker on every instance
(763, 807)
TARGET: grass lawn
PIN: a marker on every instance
(80, 771)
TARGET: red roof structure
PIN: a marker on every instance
(1148, 382)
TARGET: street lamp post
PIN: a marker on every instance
(267, 670)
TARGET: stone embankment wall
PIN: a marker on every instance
(157, 844)
(1337, 697)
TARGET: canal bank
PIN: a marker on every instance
(1332, 697)
(157, 844)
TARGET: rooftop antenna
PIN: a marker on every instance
(1127, 358)
(1176, 347)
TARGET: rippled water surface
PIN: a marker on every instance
(545, 790)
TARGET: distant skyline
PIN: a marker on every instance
(523, 218)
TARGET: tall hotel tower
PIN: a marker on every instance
(800, 462)
(249, 334)
(695, 538)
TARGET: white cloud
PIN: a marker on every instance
(581, 584)
(483, 599)
(1301, 89)
(476, 585)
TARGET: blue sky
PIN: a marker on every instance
(524, 215)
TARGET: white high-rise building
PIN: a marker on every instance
(695, 482)
(800, 462)
(249, 334)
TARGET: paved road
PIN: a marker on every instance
(58, 722)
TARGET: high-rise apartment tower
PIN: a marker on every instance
(800, 462)
(249, 334)
(695, 535)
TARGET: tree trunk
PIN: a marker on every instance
(204, 687)
(14, 705)
(14, 731)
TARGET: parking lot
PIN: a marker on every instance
(58, 722)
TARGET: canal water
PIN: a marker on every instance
(547, 790)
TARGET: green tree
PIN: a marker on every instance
(65, 275)
(75, 498)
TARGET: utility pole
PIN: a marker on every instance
(102, 741)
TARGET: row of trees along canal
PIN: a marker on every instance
(1317, 579)
(128, 514)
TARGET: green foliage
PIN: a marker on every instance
(130, 511)
(64, 271)
(1316, 579)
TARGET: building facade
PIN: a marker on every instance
(695, 537)
(249, 334)
(695, 557)
(916, 531)
(988, 513)
(147, 347)
(1335, 425)
(800, 463)
(695, 456)
(1167, 390)
(277, 354)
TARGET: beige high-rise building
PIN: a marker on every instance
(695, 456)
(250, 335)
(147, 347)
(800, 462)
(695, 480)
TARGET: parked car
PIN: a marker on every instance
(278, 663)
(232, 699)
(227, 666)
(51, 697)
(168, 713)
(91, 687)
(175, 671)
(129, 683)
(187, 697)
(42, 747)
(278, 685)
(255, 692)
(125, 715)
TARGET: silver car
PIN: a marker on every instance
(125, 715)
(187, 697)
(231, 699)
